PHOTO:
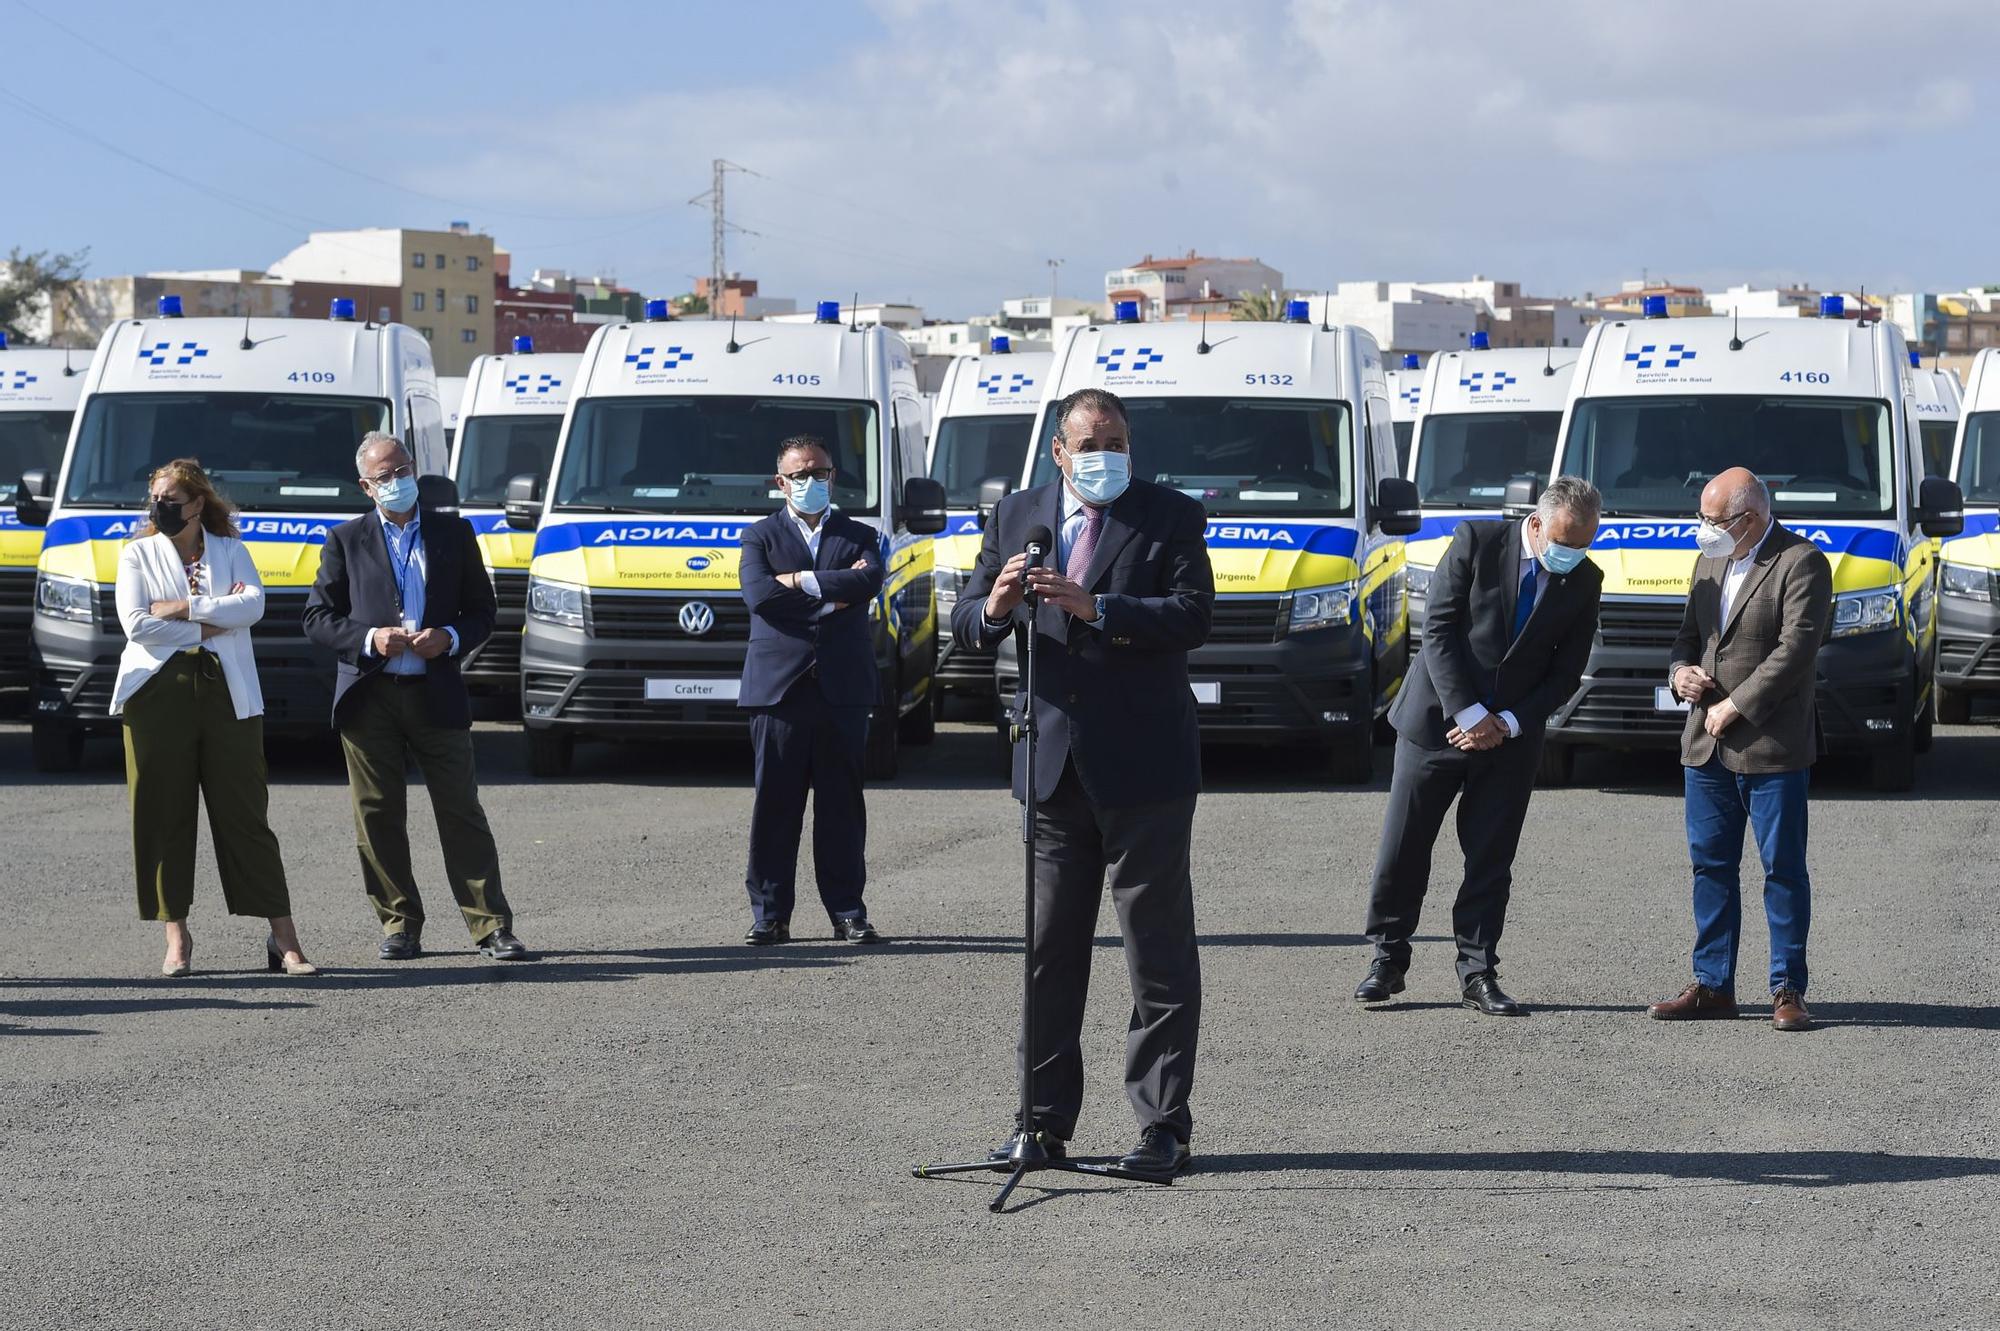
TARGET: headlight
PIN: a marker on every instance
(65, 598)
(1865, 612)
(1322, 607)
(1975, 584)
(1418, 580)
(556, 602)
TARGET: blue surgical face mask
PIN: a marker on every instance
(1561, 559)
(810, 495)
(1100, 476)
(397, 496)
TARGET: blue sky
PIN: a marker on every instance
(943, 151)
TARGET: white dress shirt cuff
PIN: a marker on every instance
(809, 584)
(451, 633)
(1471, 716)
(1513, 725)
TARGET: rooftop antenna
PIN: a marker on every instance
(1326, 311)
(854, 314)
(733, 347)
(1548, 362)
(1736, 328)
(246, 344)
(69, 370)
(1202, 348)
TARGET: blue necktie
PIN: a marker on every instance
(1525, 605)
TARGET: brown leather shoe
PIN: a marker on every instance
(1697, 1002)
(1788, 1011)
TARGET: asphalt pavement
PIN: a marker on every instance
(654, 1126)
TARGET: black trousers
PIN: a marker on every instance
(1492, 789)
(1143, 852)
(805, 745)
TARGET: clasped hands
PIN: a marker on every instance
(792, 580)
(179, 610)
(1490, 733)
(1016, 580)
(1691, 685)
(426, 643)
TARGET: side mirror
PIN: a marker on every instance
(439, 494)
(1940, 507)
(1523, 493)
(524, 501)
(991, 491)
(1399, 510)
(923, 506)
(34, 498)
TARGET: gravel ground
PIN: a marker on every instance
(654, 1126)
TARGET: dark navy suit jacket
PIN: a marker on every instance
(1469, 652)
(788, 636)
(1110, 697)
(355, 594)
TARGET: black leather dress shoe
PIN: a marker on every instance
(1483, 994)
(402, 946)
(1384, 981)
(1055, 1147)
(502, 946)
(855, 929)
(763, 935)
(1158, 1152)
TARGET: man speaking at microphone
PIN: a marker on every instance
(1126, 592)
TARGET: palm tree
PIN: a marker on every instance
(1257, 307)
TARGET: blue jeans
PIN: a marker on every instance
(1719, 803)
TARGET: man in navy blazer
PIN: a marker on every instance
(1125, 595)
(1513, 612)
(809, 575)
(402, 595)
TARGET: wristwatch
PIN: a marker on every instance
(1098, 600)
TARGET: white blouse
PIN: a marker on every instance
(149, 570)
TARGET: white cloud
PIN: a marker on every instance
(1331, 137)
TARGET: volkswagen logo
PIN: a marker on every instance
(696, 618)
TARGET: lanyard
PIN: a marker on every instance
(400, 571)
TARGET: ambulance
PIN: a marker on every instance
(451, 394)
(39, 388)
(1487, 417)
(985, 411)
(636, 625)
(1406, 391)
(1282, 431)
(1968, 658)
(274, 410)
(512, 413)
(1821, 409)
(1937, 408)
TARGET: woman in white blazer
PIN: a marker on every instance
(194, 716)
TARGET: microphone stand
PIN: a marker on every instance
(1030, 1154)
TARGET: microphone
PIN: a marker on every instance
(1037, 547)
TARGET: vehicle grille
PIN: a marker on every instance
(658, 617)
(1652, 625)
(1963, 658)
(1626, 708)
(93, 701)
(500, 654)
(1249, 619)
(17, 590)
(621, 699)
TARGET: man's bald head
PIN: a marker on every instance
(1732, 494)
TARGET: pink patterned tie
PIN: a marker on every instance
(1086, 545)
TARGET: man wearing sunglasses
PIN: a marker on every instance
(809, 574)
(1758, 609)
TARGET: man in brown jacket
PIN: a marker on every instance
(1758, 608)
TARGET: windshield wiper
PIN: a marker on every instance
(608, 508)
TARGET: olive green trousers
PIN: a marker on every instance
(184, 747)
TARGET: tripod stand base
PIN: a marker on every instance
(1029, 1156)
